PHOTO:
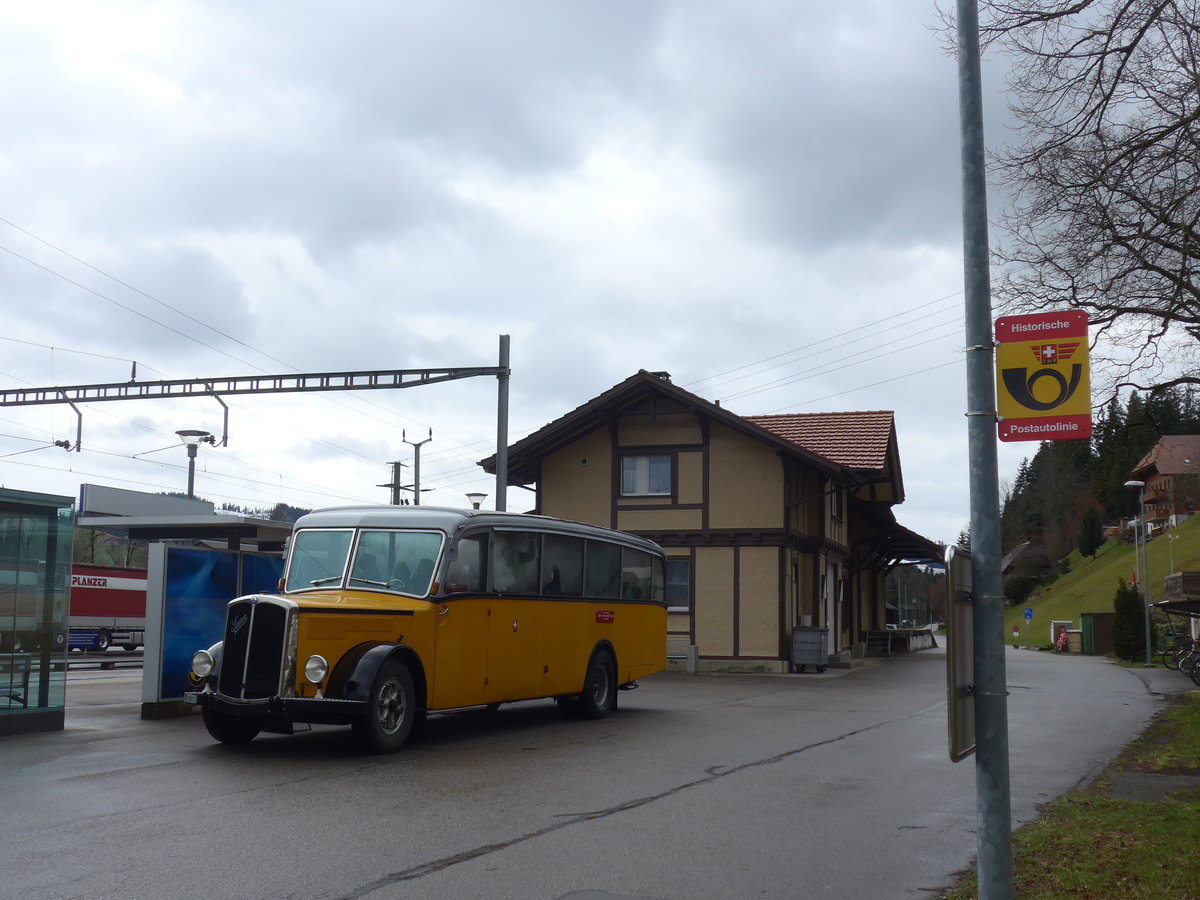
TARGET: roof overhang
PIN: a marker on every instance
(267, 535)
(525, 454)
(1187, 606)
(902, 545)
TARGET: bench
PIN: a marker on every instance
(14, 678)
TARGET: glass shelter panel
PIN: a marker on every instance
(35, 577)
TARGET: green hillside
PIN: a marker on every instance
(1091, 584)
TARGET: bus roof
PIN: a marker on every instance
(452, 520)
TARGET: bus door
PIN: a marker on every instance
(460, 652)
(461, 633)
(514, 628)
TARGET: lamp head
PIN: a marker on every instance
(192, 437)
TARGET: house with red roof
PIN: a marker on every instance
(772, 525)
(1171, 472)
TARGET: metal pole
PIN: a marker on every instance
(993, 801)
(1145, 574)
(416, 464)
(191, 451)
(502, 380)
(1137, 556)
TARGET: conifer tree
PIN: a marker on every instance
(1091, 533)
(1129, 625)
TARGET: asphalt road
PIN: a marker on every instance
(707, 786)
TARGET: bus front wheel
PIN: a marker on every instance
(391, 710)
(232, 729)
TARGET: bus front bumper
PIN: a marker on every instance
(321, 710)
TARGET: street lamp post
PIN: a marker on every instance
(476, 498)
(1141, 546)
(192, 438)
(416, 464)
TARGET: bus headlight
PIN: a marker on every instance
(203, 663)
(315, 669)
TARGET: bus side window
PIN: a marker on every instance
(603, 575)
(515, 562)
(636, 574)
(562, 565)
(467, 571)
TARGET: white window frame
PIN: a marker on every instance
(642, 463)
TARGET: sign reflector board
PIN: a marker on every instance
(960, 654)
(1043, 392)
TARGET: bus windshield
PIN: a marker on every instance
(386, 560)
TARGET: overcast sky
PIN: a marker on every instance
(760, 198)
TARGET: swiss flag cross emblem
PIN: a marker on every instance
(1049, 353)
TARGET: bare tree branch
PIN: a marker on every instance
(1103, 178)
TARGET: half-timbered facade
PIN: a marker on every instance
(769, 523)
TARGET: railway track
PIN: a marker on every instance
(107, 659)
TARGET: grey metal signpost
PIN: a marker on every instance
(994, 812)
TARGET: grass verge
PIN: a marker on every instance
(1091, 844)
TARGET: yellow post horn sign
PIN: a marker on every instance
(1042, 386)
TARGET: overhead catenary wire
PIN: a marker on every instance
(464, 450)
(176, 310)
(888, 321)
(818, 371)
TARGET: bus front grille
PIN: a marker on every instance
(252, 656)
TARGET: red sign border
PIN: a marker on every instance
(1048, 431)
(1044, 327)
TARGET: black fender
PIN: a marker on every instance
(604, 645)
(355, 672)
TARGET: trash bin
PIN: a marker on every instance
(810, 647)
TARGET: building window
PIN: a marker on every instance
(645, 476)
(679, 585)
(837, 502)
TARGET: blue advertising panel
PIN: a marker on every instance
(261, 574)
(197, 587)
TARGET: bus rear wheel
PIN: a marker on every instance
(391, 710)
(232, 729)
(599, 695)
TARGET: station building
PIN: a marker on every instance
(772, 524)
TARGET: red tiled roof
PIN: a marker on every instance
(857, 440)
(1173, 454)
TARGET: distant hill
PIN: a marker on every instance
(1091, 584)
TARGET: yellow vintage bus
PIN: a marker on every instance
(388, 613)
